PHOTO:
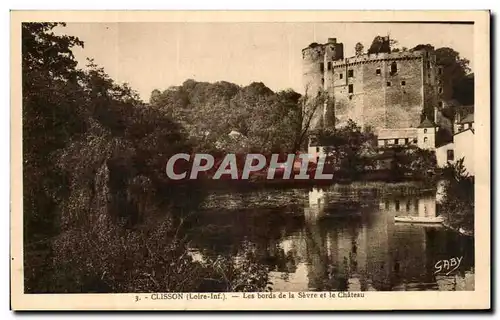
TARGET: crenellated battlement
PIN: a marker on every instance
(331, 51)
(315, 45)
(378, 57)
(314, 51)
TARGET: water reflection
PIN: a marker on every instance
(339, 239)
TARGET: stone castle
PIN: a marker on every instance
(385, 90)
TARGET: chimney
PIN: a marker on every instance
(332, 40)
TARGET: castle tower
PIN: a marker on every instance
(317, 66)
(333, 52)
(313, 67)
(426, 135)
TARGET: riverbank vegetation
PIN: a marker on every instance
(93, 174)
(457, 205)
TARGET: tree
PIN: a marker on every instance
(463, 90)
(52, 106)
(380, 45)
(427, 47)
(456, 69)
(457, 205)
(393, 43)
(348, 147)
(359, 49)
(210, 111)
(450, 59)
(310, 110)
(403, 49)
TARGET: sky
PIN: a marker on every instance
(154, 55)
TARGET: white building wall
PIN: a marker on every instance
(442, 154)
(426, 138)
(464, 148)
(427, 207)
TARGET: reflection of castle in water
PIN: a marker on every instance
(410, 206)
(370, 252)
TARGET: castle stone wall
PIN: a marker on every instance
(374, 96)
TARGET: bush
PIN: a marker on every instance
(458, 197)
(119, 260)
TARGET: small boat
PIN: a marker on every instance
(416, 219)
(464, 232)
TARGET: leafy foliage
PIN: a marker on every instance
(380, 45)
(457, 70)
(359, 49)
(457, 204)
(209, 112)
(349, 148)
(94, 156)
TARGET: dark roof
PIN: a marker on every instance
(469, 118)
(427, 124)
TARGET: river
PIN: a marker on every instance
(342, 237)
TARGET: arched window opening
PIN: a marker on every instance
(394, 67)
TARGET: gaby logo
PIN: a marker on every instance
(253, 163)
(448, 265)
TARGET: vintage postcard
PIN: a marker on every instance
(330, 160)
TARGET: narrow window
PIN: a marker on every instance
(329, 66)
(388, 83)
(440, 70)
(351, 88)
(425, 130)
(377, 71)
(440, 90)
(440, 104)
(350, 73)
(321, 67)
(407, 140)
(403, 83)
(450, 155)
(322, 80)
(428, 64)
(425, 140)
(397, 205)
(394, 67)
(396, 141)
(341, 75)
(317, 149)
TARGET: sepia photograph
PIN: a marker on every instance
(262, 160)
